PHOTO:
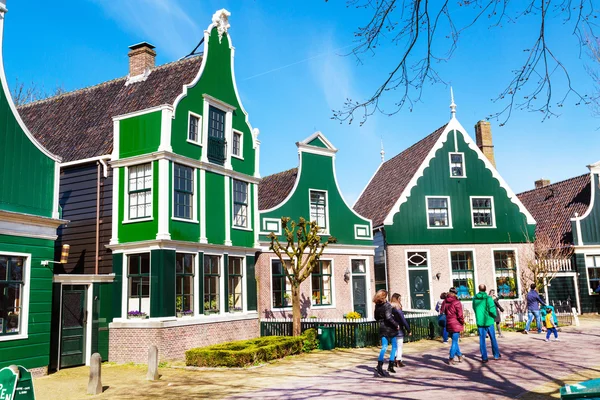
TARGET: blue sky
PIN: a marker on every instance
(291, 73)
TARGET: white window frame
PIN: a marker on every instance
(587, 272)
(125, 275)
(24, 317)
(328, 306)
(427, 212)
(429, 277)
(475, 277)
(464, 169)
(517, 271)
(195, 281)
(126, 219)
(243, 282)
(472, 210)
(194, 216)
(248, 226)
(363, 228)
(221, 284)
(200, 130)
(322, 231)
(241, 155)
(271, 285)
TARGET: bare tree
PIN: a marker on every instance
(23, 94)
(299, 256)
(429, 31)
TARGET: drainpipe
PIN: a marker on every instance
(96, 267)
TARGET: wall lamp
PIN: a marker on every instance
(347, 275)
(64, 256)
(438, 275)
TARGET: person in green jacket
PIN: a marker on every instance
(485, 314)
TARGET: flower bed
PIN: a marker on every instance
(243, 353)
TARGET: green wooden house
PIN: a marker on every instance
(443, 216)
(29, 217)
(343, 280)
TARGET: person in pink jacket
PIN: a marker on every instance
(455, 323)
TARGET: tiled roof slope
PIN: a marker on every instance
(391, 179)
(554, 205)
(273, 189)
(78, 125)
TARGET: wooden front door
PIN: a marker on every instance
(73, 322)
(418, 280)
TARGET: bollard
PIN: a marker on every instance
(95, 382)
(152, 363)
(575, 317)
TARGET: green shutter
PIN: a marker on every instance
(162, 283)
(201, 282)
(251, 286)
(226, 277)
(117, 286)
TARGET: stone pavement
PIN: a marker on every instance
(527, 362)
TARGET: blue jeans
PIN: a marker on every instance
(483, 332)
(384, 345)
(454, 349)
(538, 320)
(552, 330)
(444, 333)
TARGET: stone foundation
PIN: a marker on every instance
(37, 372)
(129, 341)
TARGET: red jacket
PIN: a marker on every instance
(455, 322)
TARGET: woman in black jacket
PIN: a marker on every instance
(388, 329)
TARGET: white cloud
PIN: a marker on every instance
(163, 23)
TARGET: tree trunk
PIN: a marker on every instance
(295, 310)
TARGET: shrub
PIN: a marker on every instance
(248, 352)
(353, 315)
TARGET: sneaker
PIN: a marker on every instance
(546, 340)
(484, 361)
(446, 343)
(557, 340)
(525, 332)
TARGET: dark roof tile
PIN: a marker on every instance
(273, 189)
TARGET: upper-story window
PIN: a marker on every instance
(240, 204)
(12, 282)
(236, 147)
(140, 191)
(318, 208)
(195, 122)
(438, 212)
(457, 165)
(482, 211)
(183, 191)
(216, 135)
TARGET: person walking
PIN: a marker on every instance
(404, 328)
(442, 317)
(550, 325)
(499, 309)
(455, 323)
(533, 309)
(388, 329)
(485, 315)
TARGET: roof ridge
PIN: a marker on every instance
(554, 184)
(105, 83)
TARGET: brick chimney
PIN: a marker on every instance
(483, 137)
(540, 183)
(141, 58)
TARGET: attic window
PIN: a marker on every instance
(194, 128)
(457, 165)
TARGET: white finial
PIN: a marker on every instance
(452, 105)
(221, 21)
(382, 152)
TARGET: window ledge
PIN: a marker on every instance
(19, 336)
(169, 322)
(133, 221)
(239, 228)
(321, 307)
(458, 177)
(439, 227)
(238, 157)
(194, 143)
(189, 221)
(484, 227)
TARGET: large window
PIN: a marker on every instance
(184, 284)
(321, 284)
(463, 277)
(234, 285)
(482, 211)
(282, 289)
(438, 212)
(194, 128)
(505, 266)
(140, 191)
(12, 281)
(138, 275)
(212, 277)
(457, 165)
(240, 204)
(592, 263)
(183, 186)
(318, 208)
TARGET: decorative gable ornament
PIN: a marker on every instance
(221, 21)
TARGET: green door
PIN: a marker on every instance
(359, 294)
(418, 280)
(73, 321)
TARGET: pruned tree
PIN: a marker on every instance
(23, 94)
(428, 34)
(299, 255)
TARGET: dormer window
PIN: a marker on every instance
(194, 125)
(457, 165)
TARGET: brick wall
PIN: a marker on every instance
(342, 303)
(131, 344)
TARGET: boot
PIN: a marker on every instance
(380, 368)
(391, 367)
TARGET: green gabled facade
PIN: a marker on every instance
(342, 282)
(29, 217)
(184, 234)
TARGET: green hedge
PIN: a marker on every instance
(248, 352)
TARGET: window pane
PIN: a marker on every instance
(216, 126)
(3, 268)
(236, 144)
(437, 212)
(358, 267)
(318, 208)
(193, 131)
(417, 259)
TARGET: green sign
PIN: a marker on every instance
(8, 383)
(582, 390)
(24, 390)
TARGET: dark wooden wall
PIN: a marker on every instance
(77, 198)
